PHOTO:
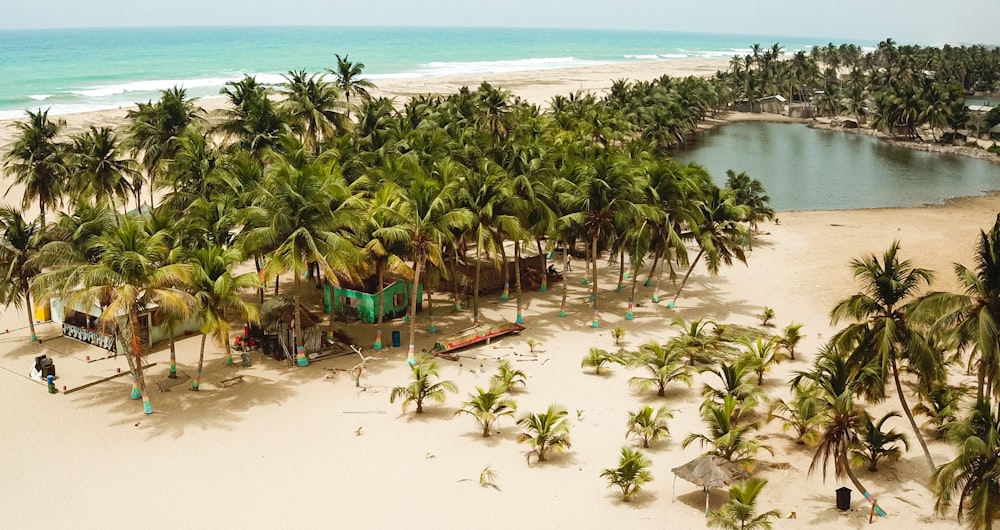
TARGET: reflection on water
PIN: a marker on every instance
(807, 169)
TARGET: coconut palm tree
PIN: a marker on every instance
(424, 216)
(974, 471)
(508, 376)
(488, 406)
(973, 316)
(423, 388)
(597, 358)
(632, 472)
(697, 340)
(383, 246)
(20, 242)
(740, 512)
(544, 432)
(760, 355)
(302, 215)
(881, 334)
(840, 434)
(648, 424)
(35, 160)
(349, 80)
(151, 129)
(717, 232)
(750, 193)
(729, 433)
(100, 168)
(313, 107)
(876, 444)
(790, 338)
(217, 292)
(662, 363)
(132, 272)
(805, 413)
(252, 120)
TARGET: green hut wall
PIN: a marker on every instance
(365, 305)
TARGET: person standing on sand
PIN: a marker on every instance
(569, 261)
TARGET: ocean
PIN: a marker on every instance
(79, 70)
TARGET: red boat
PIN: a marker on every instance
(474, 336)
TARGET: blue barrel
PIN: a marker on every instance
(396, 339)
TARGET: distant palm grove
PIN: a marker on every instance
(318, 173)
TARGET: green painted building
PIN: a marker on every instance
(364, 305)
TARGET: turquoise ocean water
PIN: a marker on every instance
(78, 70)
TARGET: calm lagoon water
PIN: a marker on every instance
(809, 169)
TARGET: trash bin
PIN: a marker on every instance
(396, 339)
(45, 366)
(844, 499)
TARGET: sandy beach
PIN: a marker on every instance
(304, 447)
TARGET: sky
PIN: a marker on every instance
(905, 21)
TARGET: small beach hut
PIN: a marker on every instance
(361, 301)
(80, 323)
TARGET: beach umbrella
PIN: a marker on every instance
(709, 471)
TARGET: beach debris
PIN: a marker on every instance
(488, 477)
(357, 432)
(429, 455)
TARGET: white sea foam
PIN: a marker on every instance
(674, 55)
(437, 69)
(148, 86)
(40, 97)
(649, 56)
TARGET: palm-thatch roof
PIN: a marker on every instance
(281, 309)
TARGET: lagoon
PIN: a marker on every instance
(811, 169)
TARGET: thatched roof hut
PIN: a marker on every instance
(280, 310)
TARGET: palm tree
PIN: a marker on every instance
(805, 413)
(20, 242)
(299, 216)
(728, 434)
(697, 341)
(252, 119)
(508, 377)
(424, 215)
(973, 317)
(152, 129)
(596, 358)
(740, 512)
(760, 355)
(383, 246)
(790, 338)
(632, 472)
(881, 334)
(840, 434)
(349, 80)
(312, 104)
(132, 272)
(876, 444)
(718, 232)
(488, 406)
(35, 160)
(100, 168)
(974, 470)
(422, 388)
(217, 292)
(750, 193)
(663, 365)
(649, 424)
(544, 431)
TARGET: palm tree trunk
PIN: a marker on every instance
(475, 294)
(649, 277)
(300, 351)
(260, 290)
(454, 279)
(621, 271)
(410, 359)
(909, 415)
(41, 213)
(629, 315)
(694, 263)
(517, 279)
(565, 280)
(172, 374)
(659, 276)
(31, 317)
(593, 257)
(201, 362)
(430, 310)
(857, 483)
(147, 406)
(381, 306)
(505, 295)
(545, 263)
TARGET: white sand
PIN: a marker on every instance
(280, 449)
